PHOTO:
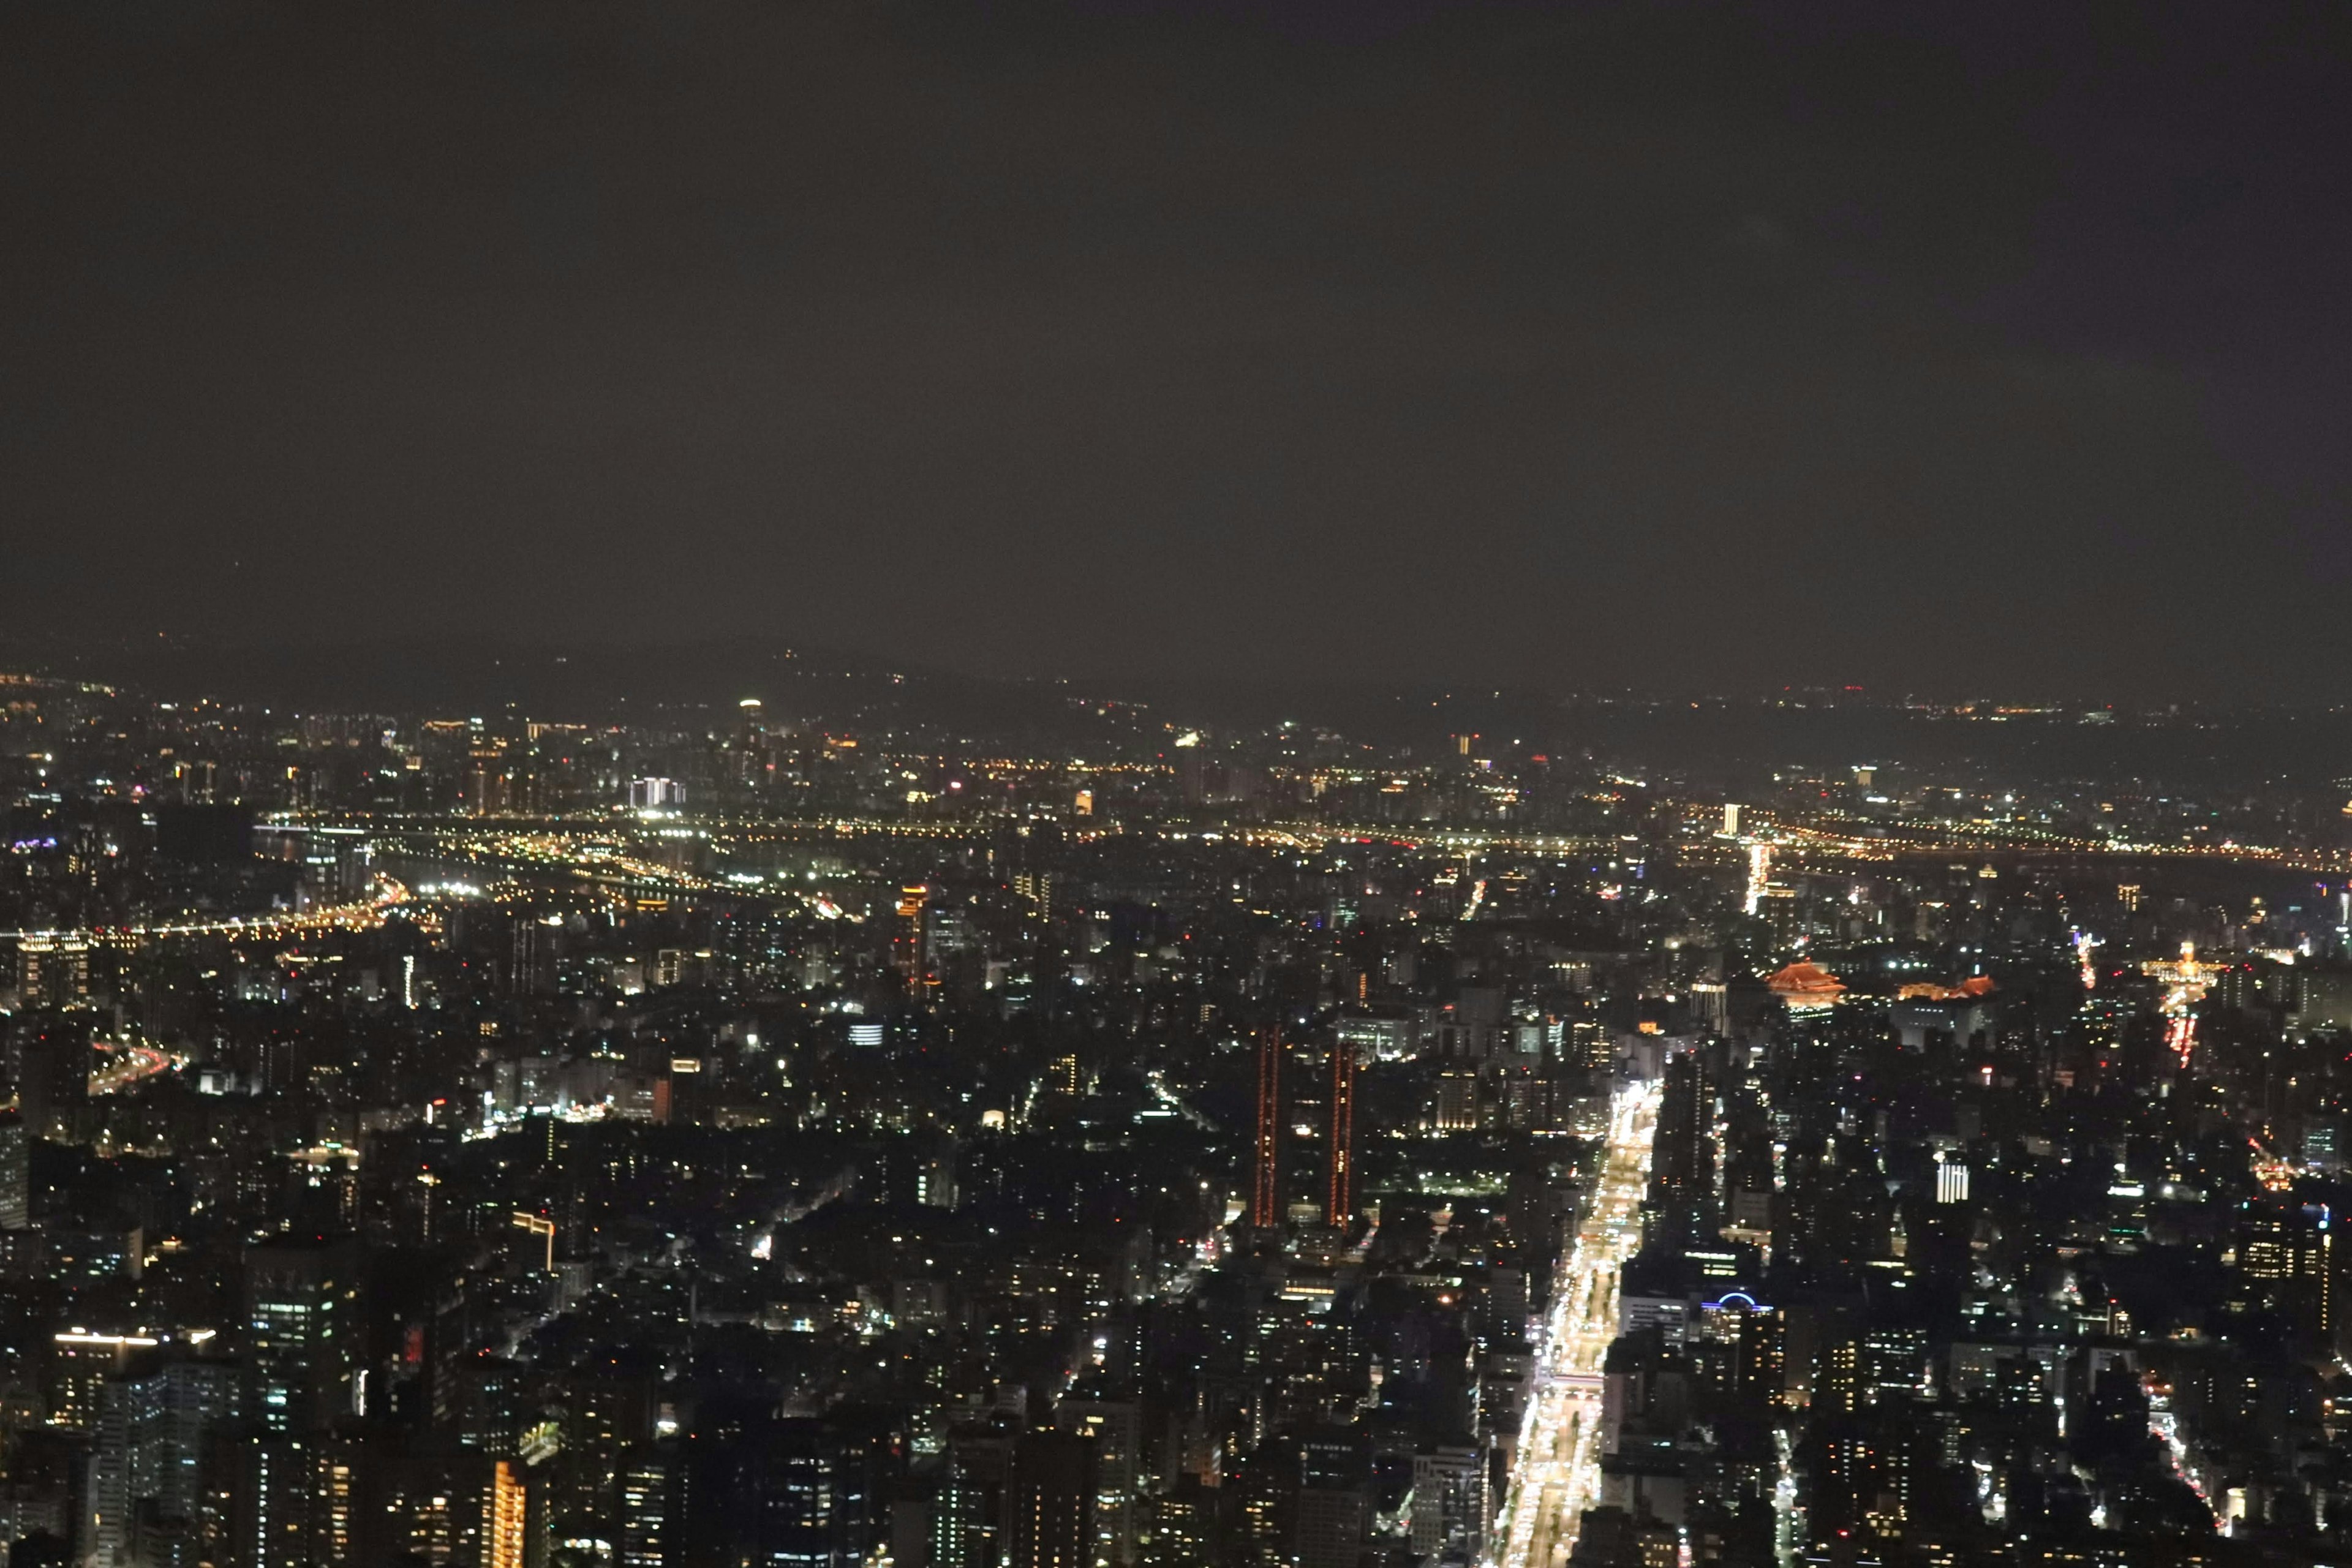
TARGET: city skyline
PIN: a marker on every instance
(1175, 784)
(950, 1133)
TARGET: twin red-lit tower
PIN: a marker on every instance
(1339, 1194)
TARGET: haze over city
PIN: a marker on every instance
(1696, 347)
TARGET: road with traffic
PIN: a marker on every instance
(1558, 1473)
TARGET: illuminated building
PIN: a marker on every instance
(1182, 1521)
(497, 783)
(1114, 1426)
(1384, 1036)
(276, 1513)
(1681, 1174)
(1449, 1511)
(1332, 1505)
(1458, 1104)
(506, 1513)
(2289, 1248)
(1339, 1204)
(81, 1362)
(650, 1496)
(1806, 987)
(1755, 1340)
(2185, 982)
(1861, 1479)
(1975, 985)
(1924, 1008)
(656, 794)
(1265, 1200)
(907, 946)
(16, 1171)
(968, 1523)
(148, 1452)
(1049, 1505)
(1951, 1182)
(1610, 1534)
(541, 1227)
(52, 971)
(301, 1296)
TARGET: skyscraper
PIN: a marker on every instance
(652, 1490)
(1681, 1176)
(1265, 1202)
(907, 949)
(1339, 1202)
(301, 1296)
(808, 1500)
(1333, 1503)
(50, 1058)
(504, 1518)
(1050, 1501)
(148, 1450)
(15, 1172)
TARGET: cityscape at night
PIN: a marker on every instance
(752, 1132)
(1175, 784)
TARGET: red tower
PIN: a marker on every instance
(1266, 1203)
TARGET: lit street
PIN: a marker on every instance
(1558, 1472)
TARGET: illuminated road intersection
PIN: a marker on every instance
(1558, 1476)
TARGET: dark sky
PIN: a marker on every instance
(1966, 347)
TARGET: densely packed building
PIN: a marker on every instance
(756, 1134)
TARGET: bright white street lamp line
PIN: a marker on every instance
(1558, 1474)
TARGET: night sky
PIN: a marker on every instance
(1964, 348)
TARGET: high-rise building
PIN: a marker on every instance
(1115, 1427)
(50, 1060)
(52, 971)
(148, 1450)
(652, 1494)
(1049, 1503)
(1265, 1199)
(907, 949)
(281, 1509)
(297, 1500)
(506, 1518)
(1951, 1182)
(968, 1518)
(807, 1500)
(1340, 1199)
(81, 1363)
(1183, 1526)
(1682, 1172)
(302, 1330)
(1333, 1506)
(16, 1171)
(1449, 1502)
(798, 1492)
